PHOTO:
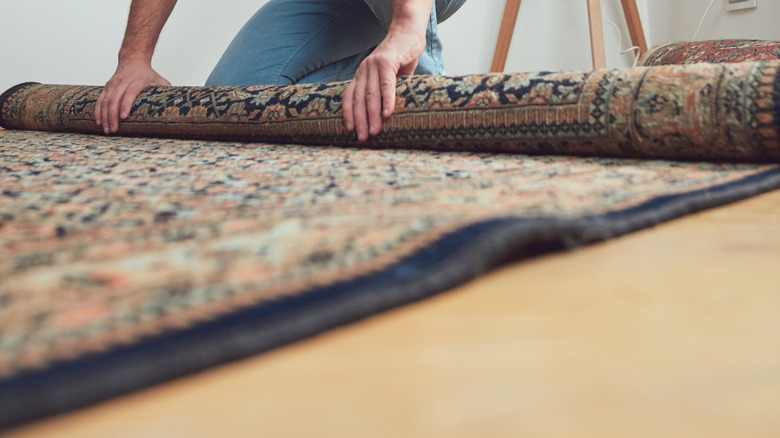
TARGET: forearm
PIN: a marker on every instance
(411, 16)
(146, 21)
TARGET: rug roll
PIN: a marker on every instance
(698, 112)
(724, 51)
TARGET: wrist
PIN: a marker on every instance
(405, 41)
(411, 16)
(133, 60)
(134, 57)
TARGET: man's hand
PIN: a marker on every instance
(120, 92)
(371, 94)
(134, 73)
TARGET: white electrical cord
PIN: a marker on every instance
(634, 49)
(706, 12)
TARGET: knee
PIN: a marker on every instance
(235, 75)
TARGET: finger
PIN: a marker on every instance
(359, 107)
(107, 92)
(374, 102)
(99, 102)
(408, 69)
(113, 107)
(346, 106)
(387, 83)
(131, 94)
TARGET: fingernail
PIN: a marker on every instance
(124, 114)
(386, 112)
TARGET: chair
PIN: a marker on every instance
(596, 32)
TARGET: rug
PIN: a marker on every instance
(703, 111)
(128, 261)
(687, 52)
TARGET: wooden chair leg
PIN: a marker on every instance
(597, 49)
(634, 25)
(505, 35)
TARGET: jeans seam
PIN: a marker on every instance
(327, 78)
(430, 46)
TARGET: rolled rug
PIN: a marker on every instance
(726, 51)
(701, 112)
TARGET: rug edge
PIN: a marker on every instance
(5, 96)
(498, 242)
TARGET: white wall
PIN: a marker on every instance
(549, 35)
(675, 20)
(76, 41)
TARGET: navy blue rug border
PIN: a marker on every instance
(449, 262)
(7, 95)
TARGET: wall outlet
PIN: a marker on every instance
(735, 5)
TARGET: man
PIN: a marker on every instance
(371, 42)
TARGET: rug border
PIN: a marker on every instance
(7, 95)
(449, 262)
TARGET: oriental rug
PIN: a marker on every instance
(229, 221)
(717, 51)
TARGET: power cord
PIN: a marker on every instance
(634, 49)
(706, 12)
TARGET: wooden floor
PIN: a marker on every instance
(671, 332)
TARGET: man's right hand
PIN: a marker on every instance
(116, 100)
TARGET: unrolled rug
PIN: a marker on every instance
(127, 261)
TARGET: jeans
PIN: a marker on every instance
(317, 41)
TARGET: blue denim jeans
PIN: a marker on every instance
(315, 41)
